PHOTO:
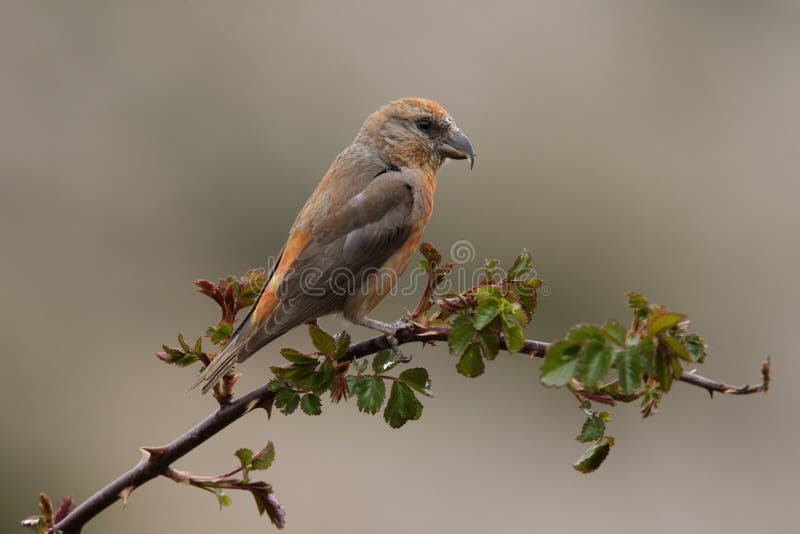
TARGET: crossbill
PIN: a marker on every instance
(357, 232)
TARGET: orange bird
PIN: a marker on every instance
(356, 233)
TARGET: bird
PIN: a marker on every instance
(357, 231)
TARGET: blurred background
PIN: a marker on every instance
(629, 145)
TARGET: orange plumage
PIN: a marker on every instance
(357, 231)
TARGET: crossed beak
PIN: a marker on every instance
(457, 146)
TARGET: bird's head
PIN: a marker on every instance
(416, 132)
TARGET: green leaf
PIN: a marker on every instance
(323, 378)
(287, 401)
(264, 458)
(461, 334)
(311, 404)
(300, 376)
(342, 344)
(418, 379)
(219, 332)
(384, 361)
(615, 332)
(322, 340)
(183, 343)
(488, 291)
(560, 363)
(521, 265)
(593, 429)
(526, 292)
(430, 253)
(594, 363)
(295, 356)
(663, 320)
(360, 365)
(223, 499)
(370, 392)
(594, 456)
(471, 362)
(245, 456)
(637, 301)
(486, 311)
(402, 406)
(490, 345)
(512, 331)
(585, 332)
(676, 348)
(697, 347)
(629, 366)
(664, 371)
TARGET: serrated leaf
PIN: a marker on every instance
(521, 265)
(637, 301)
(219, 332)
(595, 361)
(527, 295)
(323, 378)
(370, 392)
(490, 344)
(287, 401)
(245, 456)
(676, 348)
(592, 430)
(663, 320)
(471, 362)
(321, 340)
(430, 253)
(295, 356)
(418, 379)
(384, 361)
(560, 363)
(264, 458)
(488, 291)
(585, 332)
(461, 334)
(629, 366)
(486, 311)
(512, 331)
(697, 347)
(594, 456)
(311, 404)
(664, 371)
(359, 365)
(342, 344)
(402, 406)
(615, 332)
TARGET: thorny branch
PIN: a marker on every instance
(157, 461)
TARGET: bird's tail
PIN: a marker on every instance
(238, 348)
(220, 365)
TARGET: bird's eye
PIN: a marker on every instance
(424, 125)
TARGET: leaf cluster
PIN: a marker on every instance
(490, 314)
(609, 363)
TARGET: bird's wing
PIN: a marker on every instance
(318, 268)
(360, 237)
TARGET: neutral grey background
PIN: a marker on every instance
(630, 145)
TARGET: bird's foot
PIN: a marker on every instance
(389, 331)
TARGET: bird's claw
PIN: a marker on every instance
(396, 326)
